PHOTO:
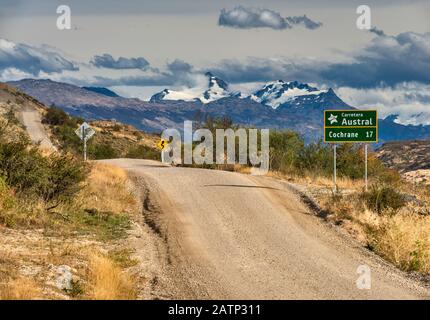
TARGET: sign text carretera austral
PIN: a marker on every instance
(350, 126)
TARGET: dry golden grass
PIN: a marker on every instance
(46, 151)
(107, 281)
(20, 289)
(107, 190)
(319, 181)
(16, 212)
(404, 239)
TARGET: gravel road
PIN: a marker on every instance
(32, 121)
(234, 236)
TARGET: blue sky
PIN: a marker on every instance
(138, 47)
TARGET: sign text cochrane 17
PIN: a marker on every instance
(350, 126)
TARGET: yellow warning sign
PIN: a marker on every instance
(162, 144)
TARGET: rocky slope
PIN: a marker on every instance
(405, 156)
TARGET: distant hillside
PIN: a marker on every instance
(102, 90)
(112, 139)
(277, 105)
(405, 156)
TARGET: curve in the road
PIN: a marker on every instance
(31, 119)
(234, 236)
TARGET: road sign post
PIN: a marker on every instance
(334, 169)
(85, 133)
(85, 142)
(343, 126)
(365, 166)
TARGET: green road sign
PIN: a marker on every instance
(350, 126)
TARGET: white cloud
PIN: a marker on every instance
(12, 74)
(247, 18)
(32, 60)
(410, 101)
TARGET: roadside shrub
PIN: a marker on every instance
(23, 167)
(316, 159)
(142, 152)
(67, 137)
(53, 178)
(64, 178)
(102, 151)
(11, 118)
(56, 117)
(285, 150)
(382, 197)
(350, 160)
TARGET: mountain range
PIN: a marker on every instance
(276, 105)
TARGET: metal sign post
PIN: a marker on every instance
(85, 142)
(334, 168)
(85, 133)
(85, 150)
(365, 166)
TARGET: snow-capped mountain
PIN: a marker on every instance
(216, 89)
(273, 94)
(277, 93)
(276, 105)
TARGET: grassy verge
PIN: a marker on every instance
(78, 234)
(107, 281)
(391, 220)
(57, 214)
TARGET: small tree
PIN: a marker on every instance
(56, 117)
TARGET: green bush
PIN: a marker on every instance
(53, 178)
(285, 150)
(316, 159)
(142, 152)
(102, 151)
(11, 118)
(289, 154)
(57, 117)
(68, 138)
(22, 166)
(381, 198)
(65, 175)
(350, 160)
